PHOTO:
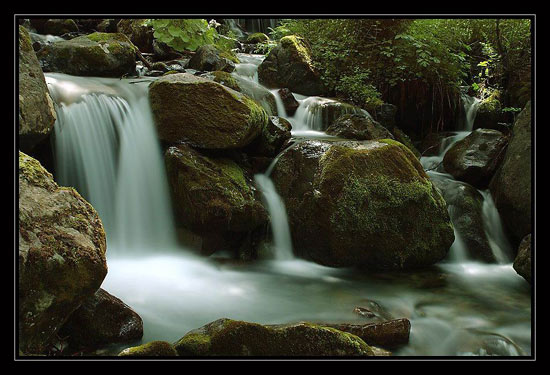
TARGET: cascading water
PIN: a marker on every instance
(108, 149)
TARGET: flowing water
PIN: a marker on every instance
(106, 147)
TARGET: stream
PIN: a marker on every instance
(106, 147)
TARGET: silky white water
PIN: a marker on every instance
(107, 148)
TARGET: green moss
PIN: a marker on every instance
(230, 55)
(258, 115)
(297, 46)
(226, 79)
(32, 171)
(257, 38)
(491, 103)
(151, 349)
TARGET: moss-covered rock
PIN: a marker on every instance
(212, 195)
(226, 337)
(511, 185)
(151, 349)
(257, 38)
(364, 203)
(204, 113)
(358, 126)
(140, 34)
(289, 65)
(389, 334)
(489, 112)
(56, 26)
(61, 254)
(36, 111)
(102, 319)
(400, 136)
(209, 58)
(96, 54)
(522, 263)
(475, 158)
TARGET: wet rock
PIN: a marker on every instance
(212, 195)
(466, 209)
(289, 65)
(366, 313)
(226, 337)
(102, 319)
(360, 127)
(59, 26)
(61, 254)
(210, 58)
(162, 51)
(140, 34)
(511, 185)
(36, 111)
(475, 158)
(289, 101)
(204, 113)
(97, 54)
(272, 138)
(489, 113)
(364, 203)
(390, 334)
(522, 263)
(257, 38)
(151, 349)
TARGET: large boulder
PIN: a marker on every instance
(289, 65)
(212, 194)
(465, 205)
(226, 337)
(522, 263)
(475, 158)
(364, 203)
(358, 126)
(61, 255)
(210, 58)
(489, 112)
(511, 185)
(204, 113)
(56, 26)
(97, 54)
(36, 110)
(151, 349)
(140, 34)
(102, 319)
(401, 136)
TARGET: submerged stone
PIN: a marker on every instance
(364, 203)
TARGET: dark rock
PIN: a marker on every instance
(102, 319)
(272, 138)
(360, 127)
(522, 263)
(364, 203)
(61, 255)
(511, 185)
(226, 337)
(210, 58)
(289, 65)
(390, 334)
(162, 51)
(289, 101)
(59, 26)
(475, 158)
(36, 112)
(140, 34)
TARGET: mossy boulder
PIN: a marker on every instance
(204, 113)
(96, 54)
(289, 65)
(36, 110)
(358, 126)
(260, 94)
(140, 34)
(475, 158)
(511, 185)
(226, 337)
(364, 203)
(522, 263)
(489, 112)
(212, 195)
(257, 38)
(399, 135)
(61, 254)
(102, 319)
(465, 205)
(389, 334)
(210, 58)
(151, 349)
(55, 26)
(272, 139)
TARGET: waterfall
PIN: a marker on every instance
(470, 105)
(106, 147)
(494, 230)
